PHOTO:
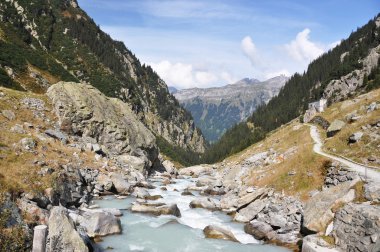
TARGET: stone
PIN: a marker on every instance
(335, 127)
(105, 181)
(28, 144)
(372, 191)
(355, 137)
(361, 231)
(56, 134)
(205, 203)
(156, 210)
(169, 167)
(195, 170)
(318, 211)
(33, 211)
(120, 184)
(138, 163)
(18, 129)
(33, 103)
(259, 230)
(98, 223)
(63, 235)
(215, 232)
(314, 243)
(8, 114)
(260, 193)
(247, 214)
(141, 193)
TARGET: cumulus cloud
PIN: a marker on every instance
(303, 49)
(183, 75)
(249, 49)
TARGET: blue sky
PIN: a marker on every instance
(215, 42)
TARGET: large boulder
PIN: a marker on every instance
(260, 193)
(120, 184)
(195, 170)
(335, 127)
(215, 232)
(319, 210)
(357, 227)
(248, 213)
(260, 230)
(83, 110)
(205, 203)
(63, 236)
(372, 191)
(98, 223)
(159, 209)
(314, 243)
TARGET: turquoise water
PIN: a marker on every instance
(168, 233)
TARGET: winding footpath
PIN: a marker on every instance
(363, 170)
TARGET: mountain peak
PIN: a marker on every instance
(247, 81)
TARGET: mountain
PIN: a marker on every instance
(215, 110)
(349, 69)
(172, 90)
(46, 41)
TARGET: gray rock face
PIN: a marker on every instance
(63, 237)
(248, 213)
(337, 174)
(85, 111)
(214, 232)
(318, 211)
(372, 191)
(357, 227)
(335, 127)
(250, 197)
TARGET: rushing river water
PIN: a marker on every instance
(142, 232)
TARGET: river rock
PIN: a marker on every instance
(318, 211)
(195, 170)
(215, 232)
(98, 223)
(260, 193)
(247, 214)
(120, 184)
(205, 181)
(169, 167)
(260, 230)
(357, 227)
(63, 235)
(141, 193)
(156, 209)
(83, 110)
(205, 203)
(114, 211)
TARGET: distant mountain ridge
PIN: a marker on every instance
(219, 108)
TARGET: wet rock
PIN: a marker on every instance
(187, 193)
(156, 209)
(63, 235)
(8, 114)
(215, 232)
(357, 227)
(98, 223)
(260, 230)
(205, 203)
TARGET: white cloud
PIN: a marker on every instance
(303, 49)
(181, 75)
(249, 49)
(228, 78)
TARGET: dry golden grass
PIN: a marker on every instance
(18, 171)
(338, 144)
(308, 166)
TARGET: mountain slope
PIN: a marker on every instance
(215, 110)
(351, 68)
(43, 42)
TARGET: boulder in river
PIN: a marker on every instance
(205, 203)
(120, 184)
(195, 171)
(260, 230)
(215, 232)
(156, 209)
(99, 223)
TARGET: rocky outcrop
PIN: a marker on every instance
(337, 174)
(215, 232)
(85, 111)
(63, 235)
(357, 227)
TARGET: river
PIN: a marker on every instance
(142, 232)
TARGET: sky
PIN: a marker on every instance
(207, 43)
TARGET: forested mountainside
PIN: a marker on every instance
(347, 70)
(215, 110)
(46, 41)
